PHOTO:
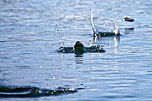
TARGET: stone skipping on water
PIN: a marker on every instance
(99, 34)
(116, 32)
(79, 48)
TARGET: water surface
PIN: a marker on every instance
(32, 30)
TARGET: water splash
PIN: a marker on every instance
(29, 91)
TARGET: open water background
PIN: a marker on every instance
(32, 30)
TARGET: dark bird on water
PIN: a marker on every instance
(79, 47)
(129, 19)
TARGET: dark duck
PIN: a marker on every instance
(79, 48)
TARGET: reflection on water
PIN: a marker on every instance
(116, 43)
(79, 55)
(129, 30)
(79, 59)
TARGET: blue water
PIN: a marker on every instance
(32, 30)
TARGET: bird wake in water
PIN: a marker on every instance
(29, 91)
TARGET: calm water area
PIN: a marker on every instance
(31, 32)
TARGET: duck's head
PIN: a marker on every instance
(79, 47)
(78, 43)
